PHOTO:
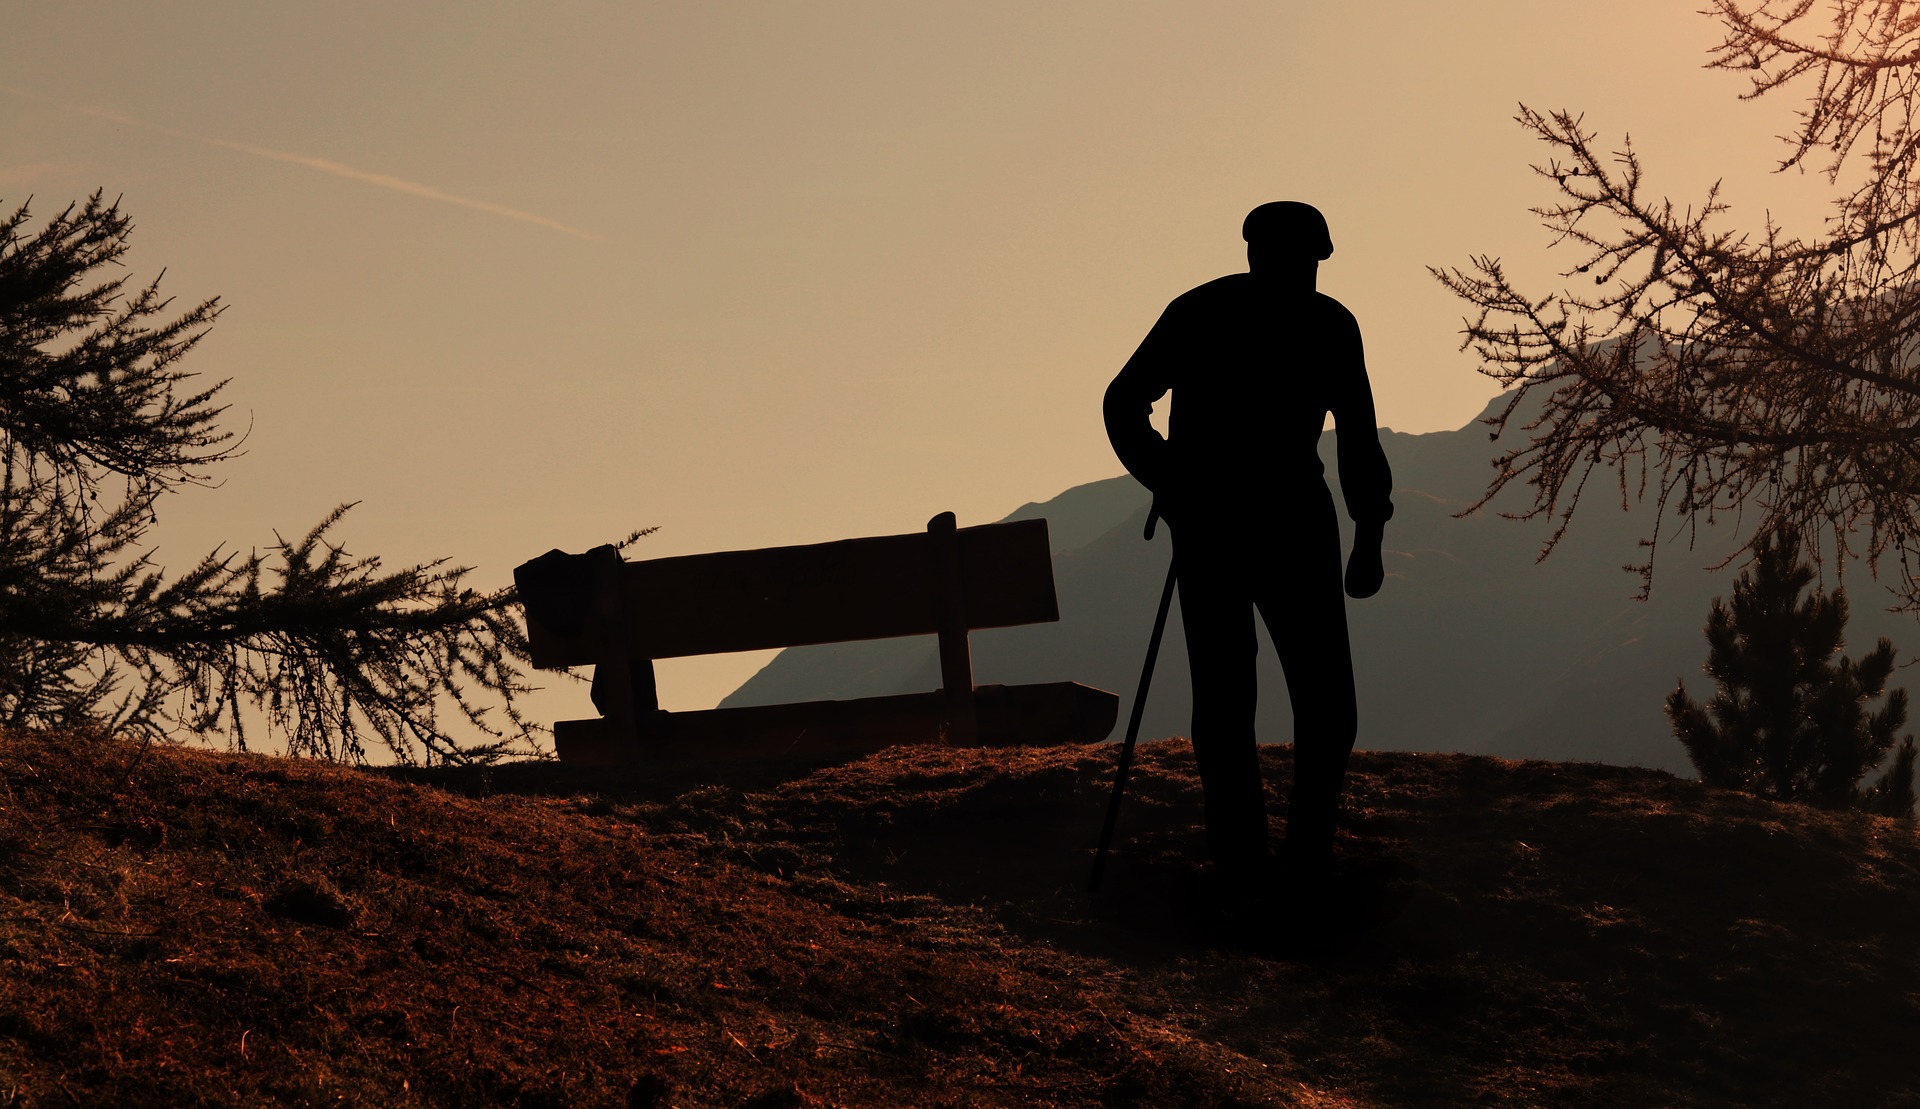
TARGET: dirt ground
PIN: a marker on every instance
(912, 928)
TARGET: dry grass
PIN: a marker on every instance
(911, 929)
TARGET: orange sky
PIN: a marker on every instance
(521, 276)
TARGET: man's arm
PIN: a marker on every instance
(1129, 406)
(1365, 479)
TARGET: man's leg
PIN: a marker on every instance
(1217, 613)
(1306, 614)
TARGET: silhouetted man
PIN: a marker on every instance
(1255, 362)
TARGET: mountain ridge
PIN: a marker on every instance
(1475, 645)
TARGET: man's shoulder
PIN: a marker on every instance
(1233, 284)
(1231, 289)
(1333, 311)
(1238, 290)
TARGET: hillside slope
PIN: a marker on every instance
(911, 929)
(1474, 644)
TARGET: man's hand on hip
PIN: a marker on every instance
(1364, 570)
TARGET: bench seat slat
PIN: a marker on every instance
(1014, 715)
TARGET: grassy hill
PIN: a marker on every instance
(911, 928)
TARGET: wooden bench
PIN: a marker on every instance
(598, 609)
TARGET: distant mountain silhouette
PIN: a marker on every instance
(1472, 646)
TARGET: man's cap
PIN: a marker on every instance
(1290, 226)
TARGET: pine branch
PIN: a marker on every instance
(97, 421)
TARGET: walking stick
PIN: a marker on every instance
(1133, 722)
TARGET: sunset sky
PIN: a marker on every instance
(520, 276)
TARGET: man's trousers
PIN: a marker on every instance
(1286, 567)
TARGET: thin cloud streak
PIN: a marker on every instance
(324, 165)
(33, 171)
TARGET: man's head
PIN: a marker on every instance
(1288, 230)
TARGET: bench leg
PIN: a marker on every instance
(956, 660)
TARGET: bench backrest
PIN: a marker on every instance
(853, 589)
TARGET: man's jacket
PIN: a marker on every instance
(1254, 372)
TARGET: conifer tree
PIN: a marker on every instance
(1789, 718)
(97, 423)
(1731, 367)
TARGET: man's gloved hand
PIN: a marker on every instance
(1364, 571)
